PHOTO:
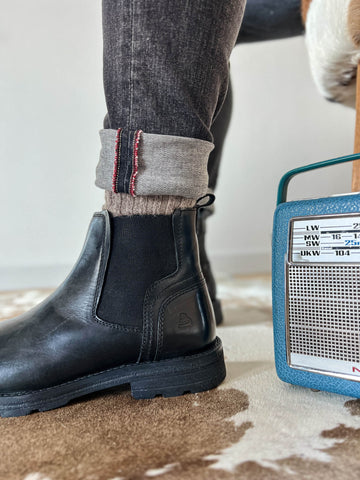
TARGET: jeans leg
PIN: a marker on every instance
(219, 130)
(271, 20)
(165, 73)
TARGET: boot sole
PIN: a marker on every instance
(169, 378)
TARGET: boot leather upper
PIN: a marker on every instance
(62, 338)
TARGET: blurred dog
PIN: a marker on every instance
(333, 43)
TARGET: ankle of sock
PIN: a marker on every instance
(122, 204)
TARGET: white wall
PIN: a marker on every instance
(279, 122)
(52, 108)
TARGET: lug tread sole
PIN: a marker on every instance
(167, 378)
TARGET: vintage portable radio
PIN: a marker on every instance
(316, 288)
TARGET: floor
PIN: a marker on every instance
(252, 427)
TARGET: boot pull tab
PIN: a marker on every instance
(205, 201)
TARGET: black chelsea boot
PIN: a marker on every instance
(203, 214)
(135, 309)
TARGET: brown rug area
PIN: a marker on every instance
(253, 427)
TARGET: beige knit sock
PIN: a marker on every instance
(121, 204)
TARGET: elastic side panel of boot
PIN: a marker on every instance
(142, 252)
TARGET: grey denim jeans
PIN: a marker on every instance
(166, 76)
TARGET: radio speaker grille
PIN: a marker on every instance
(324, 311)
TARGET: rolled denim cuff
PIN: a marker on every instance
(141, 163)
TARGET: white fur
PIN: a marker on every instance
(160, 471)
(333, 56)
(283, 421)
(36, 476)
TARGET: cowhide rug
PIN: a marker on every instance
(253, 427)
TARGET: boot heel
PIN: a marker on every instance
(174, 377)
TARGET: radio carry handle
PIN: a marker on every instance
(284, 182)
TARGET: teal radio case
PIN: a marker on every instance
(316, 288)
